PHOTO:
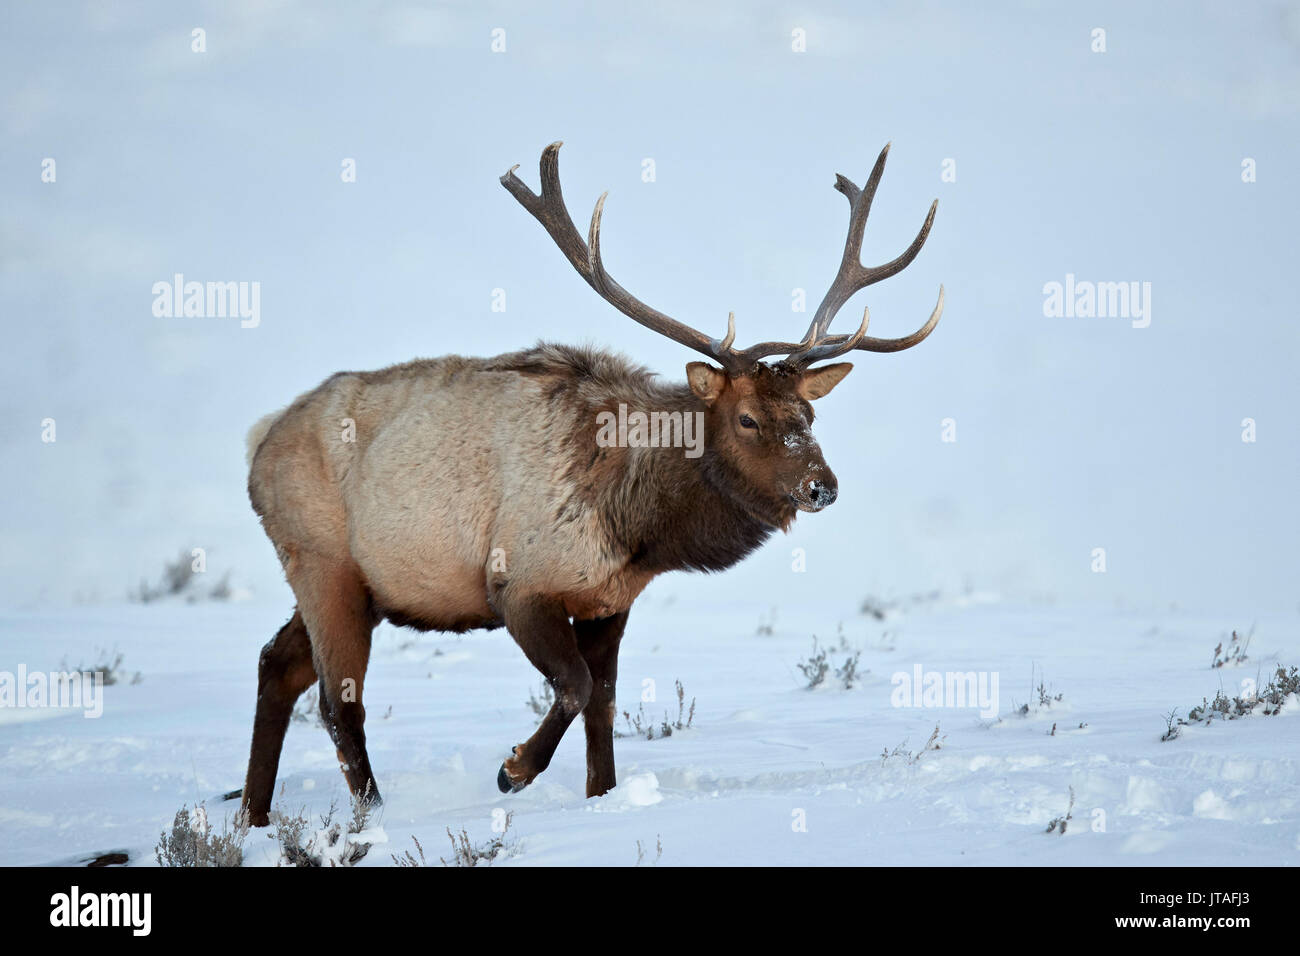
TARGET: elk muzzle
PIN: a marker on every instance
(816, 492)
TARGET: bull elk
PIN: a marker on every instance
(474, 493)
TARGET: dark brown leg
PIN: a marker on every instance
(340, 618)
(284, 671)
(542, 630)
(598, 642)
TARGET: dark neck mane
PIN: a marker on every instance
(672, 512)
(667, 511)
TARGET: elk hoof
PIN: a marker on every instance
(258, 818)
(503, 781)
(507, 783)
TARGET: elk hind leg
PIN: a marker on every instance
(284, 670)
(340, 617)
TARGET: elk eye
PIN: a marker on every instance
(747, 422)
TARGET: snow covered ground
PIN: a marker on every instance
(770, 772)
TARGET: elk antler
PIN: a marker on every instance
(854, 276)
(549, 209)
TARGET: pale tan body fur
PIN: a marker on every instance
(457, 485)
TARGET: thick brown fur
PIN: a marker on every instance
(461, 493)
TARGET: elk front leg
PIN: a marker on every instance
(598, 641)
(542, 630)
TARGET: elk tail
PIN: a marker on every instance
(257, 434)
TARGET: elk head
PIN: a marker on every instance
(758, 414)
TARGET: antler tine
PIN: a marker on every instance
(852, 276)
(549, 209)
(724, 347)
(828, 349)
(851, 267)
(834, 345)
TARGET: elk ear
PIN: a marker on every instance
(705, 381)
(817, 382)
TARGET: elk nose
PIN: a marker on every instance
(820, 492)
